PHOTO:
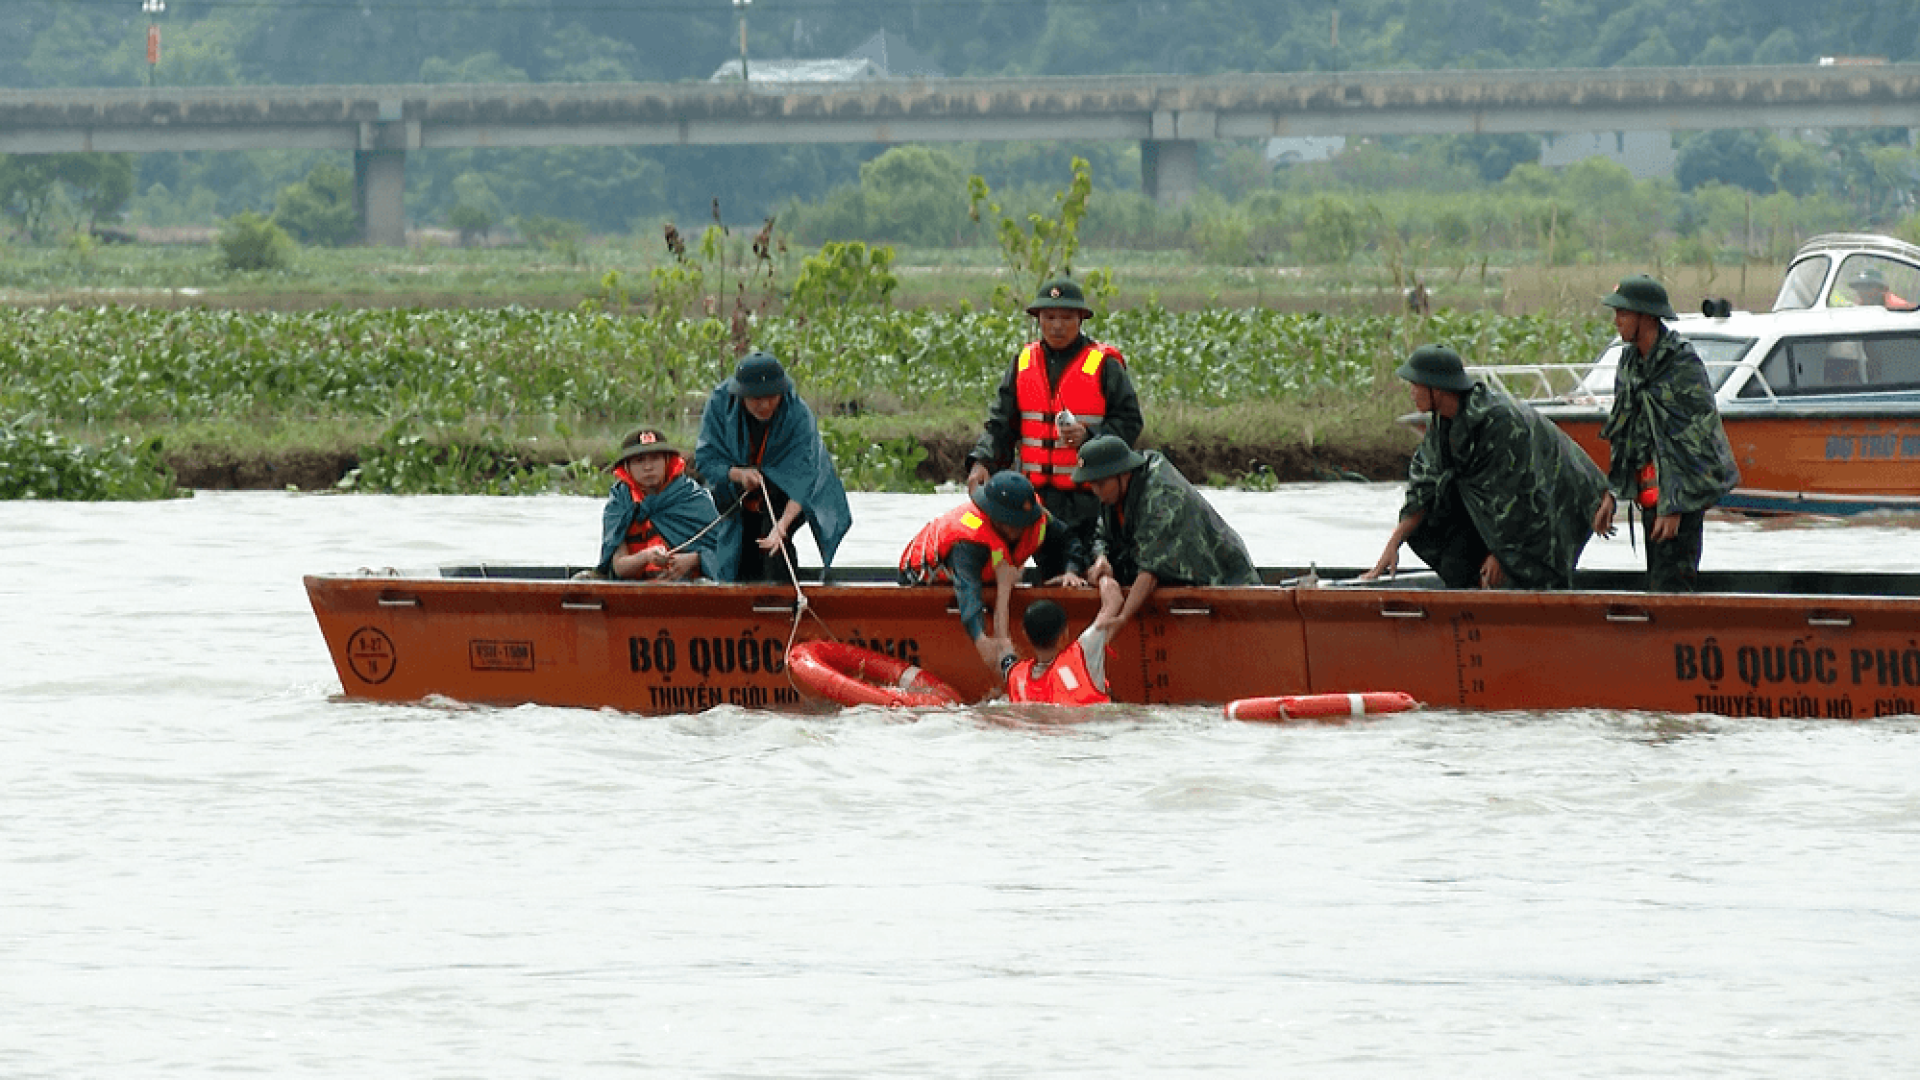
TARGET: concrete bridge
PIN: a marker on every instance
(1168, 115)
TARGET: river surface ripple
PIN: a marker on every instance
(209, 865)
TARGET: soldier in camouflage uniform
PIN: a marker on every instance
(1154, 528)
(1669, 452)
(1496, 494)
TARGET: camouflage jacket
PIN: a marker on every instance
(1527, 488)
(1663, 412)
(1164, 526)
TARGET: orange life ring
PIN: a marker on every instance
(1319, 706)
(850, 675)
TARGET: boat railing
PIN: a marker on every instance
(1566, 383)
(1538, 382)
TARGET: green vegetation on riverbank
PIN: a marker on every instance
(521, 399)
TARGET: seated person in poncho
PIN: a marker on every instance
(1497, 495)
(1075, 674)
(653, 512)
(986, 541)
(761, 456)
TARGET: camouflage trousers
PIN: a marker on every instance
(1674, 565)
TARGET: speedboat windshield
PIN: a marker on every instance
(1721, 355)
(1801, 289)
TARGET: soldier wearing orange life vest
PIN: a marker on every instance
(1059, 392)
(653, 527)
(1076, 674)
(984, 541)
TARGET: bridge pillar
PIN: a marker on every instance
(380, 175)
(1169, 170)
(379, 189)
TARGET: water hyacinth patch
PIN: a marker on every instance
(36, 463)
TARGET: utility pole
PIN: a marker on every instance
(154, 9)
(741, 6)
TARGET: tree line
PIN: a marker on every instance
(61, 43)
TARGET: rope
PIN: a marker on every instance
(801, 608)
(695, 538)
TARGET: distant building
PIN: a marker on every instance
(1646, 154)
(799, 71)
(882, 56)
(1303, 149)
(895, 58)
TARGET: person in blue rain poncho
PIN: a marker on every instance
(761, 456)
(655, 524)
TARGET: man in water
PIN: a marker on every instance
(1072, 675)
(1155, 528)
(1497, 495)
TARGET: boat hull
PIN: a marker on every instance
(1827, 646)
(683, 648)
(1808, 462)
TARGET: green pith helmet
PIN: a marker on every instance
(1108, 455)
(643, 441)
(1436, 366)
(759, 374)
(1008, 498)
(1060, 293)
(1869, 278)
(1638, 292)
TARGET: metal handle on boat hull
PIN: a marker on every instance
(1629, 615)
(1390, 610)
(773, 609)
(1197, 609)
(583, 605)
(399, 601)
(1829, 618)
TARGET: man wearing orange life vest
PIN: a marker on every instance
(985, 540)
(1076, 674)
(1059, 392)
(654, 510)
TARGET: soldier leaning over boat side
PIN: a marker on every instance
(1670, 455)
(760, 454)
(1497, 495)
(986, 541)
(1059, 392)
(1155, 527)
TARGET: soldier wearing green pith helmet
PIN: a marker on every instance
(1060, 392)
(1497, 496)
(1670, 456)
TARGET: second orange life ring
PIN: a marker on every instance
(1319, 706)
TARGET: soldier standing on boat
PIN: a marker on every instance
(1497, 495)
(1155, 528)
(1059, 392)
(1670, 455)
(760, 453)
(654, 510)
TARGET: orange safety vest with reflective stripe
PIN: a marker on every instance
(1066, 682)
(1039, 453)
(641, 534)
(925, 560)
